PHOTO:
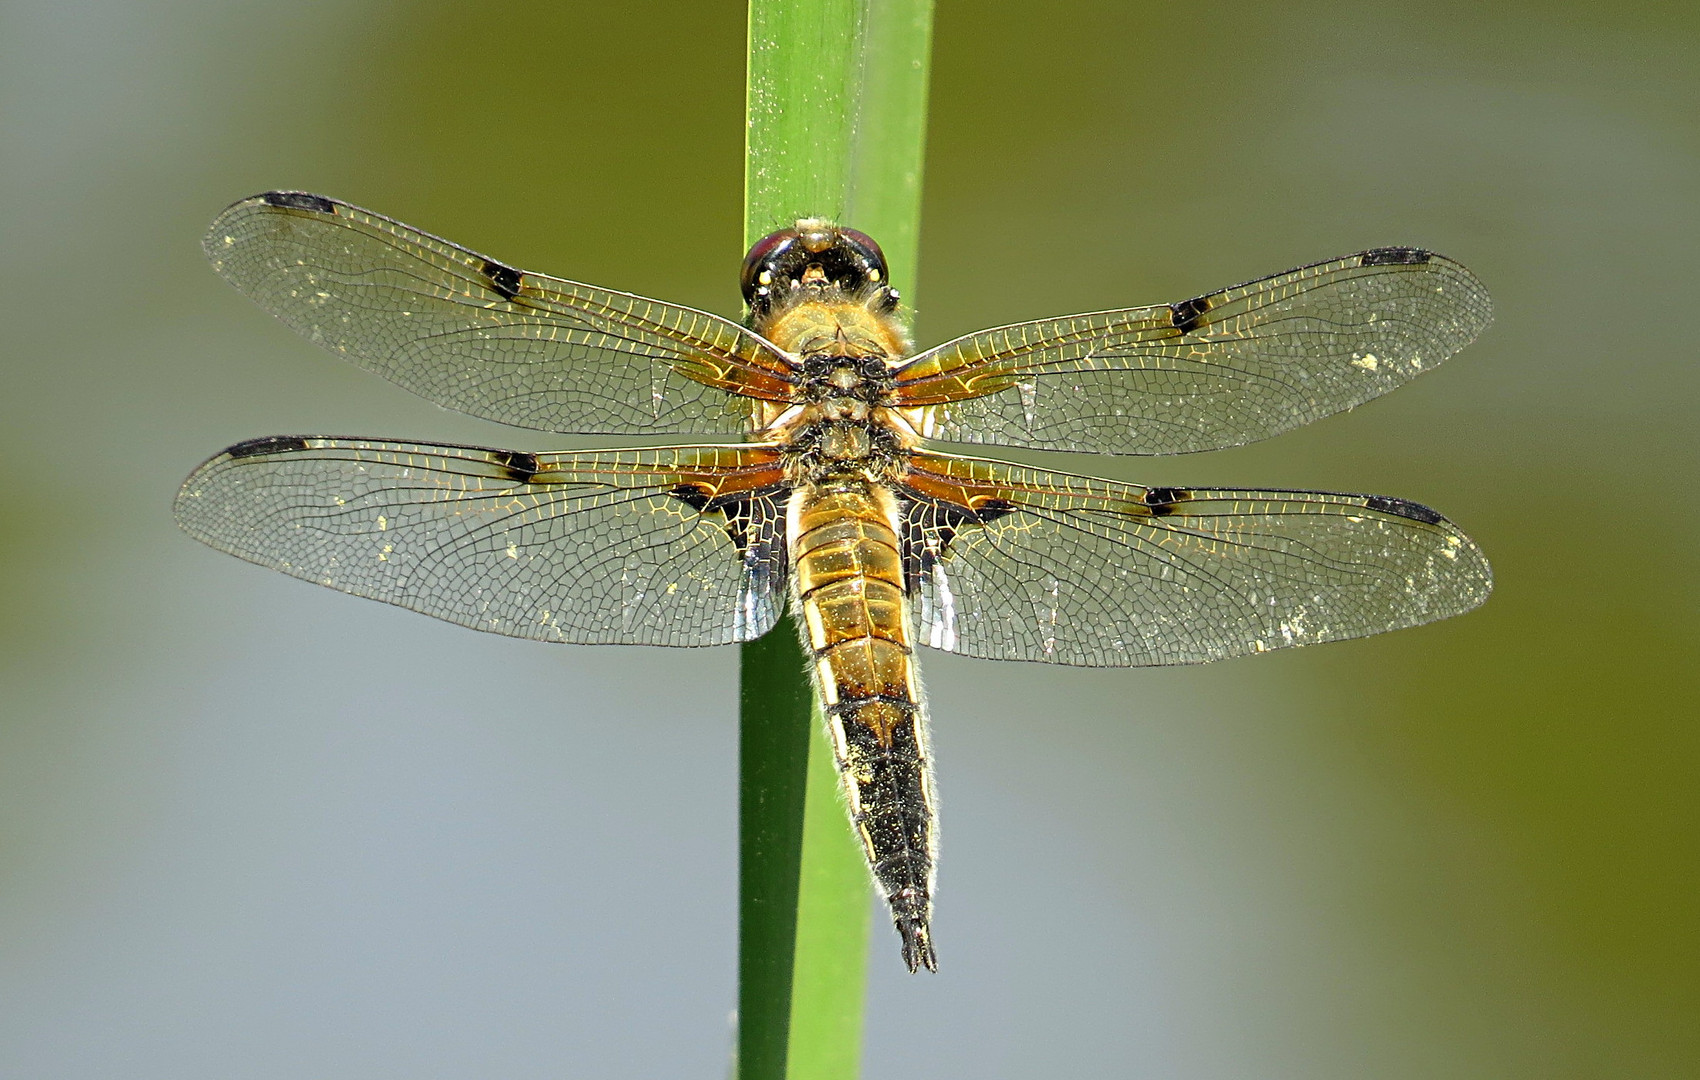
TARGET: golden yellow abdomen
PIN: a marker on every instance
(847, 577)
(849, 581)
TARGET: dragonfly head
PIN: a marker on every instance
(814, 257)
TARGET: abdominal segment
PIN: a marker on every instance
(855, 625)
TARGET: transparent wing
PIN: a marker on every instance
(668, 546)
(1219, 370)
(1013, 563)
(481, 337)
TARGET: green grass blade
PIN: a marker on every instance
(833, 910)
(836, 121)
(891, 133)
(777, 722)
(800, 111)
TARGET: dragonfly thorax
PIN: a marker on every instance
(829, 377)
(831, 446)
(845, 419)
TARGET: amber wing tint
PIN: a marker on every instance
(668, 546)
(1218, 370)
(481, 337)
(1014, 563)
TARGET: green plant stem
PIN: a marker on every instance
(777, 717)
(835, 128)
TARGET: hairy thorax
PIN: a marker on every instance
(843, 421)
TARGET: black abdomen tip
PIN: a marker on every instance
(917, 945)
(909, 913)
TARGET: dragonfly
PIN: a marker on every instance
(823, 492)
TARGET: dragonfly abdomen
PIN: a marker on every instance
(855, 624)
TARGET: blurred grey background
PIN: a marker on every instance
(254, 829)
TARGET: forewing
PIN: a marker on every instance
(481, 337)
(667, 546)
(1013, 563)
(1218, 370)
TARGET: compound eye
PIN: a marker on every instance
(762, 259)
(864, 245)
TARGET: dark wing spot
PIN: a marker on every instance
(504, 279)
(1404, 508)
(743, 518)
(695, 496)
(299, 200)
(1162, 500)
(516, 465)
(929, 526)
(740, 518)
(271, 444)
(1186, 314)
(1394, 256)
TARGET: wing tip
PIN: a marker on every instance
(217, 238)
(1478, 311)
(185, 507)
(1460, 545)
(1470, 571)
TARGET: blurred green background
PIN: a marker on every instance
(250, 828)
